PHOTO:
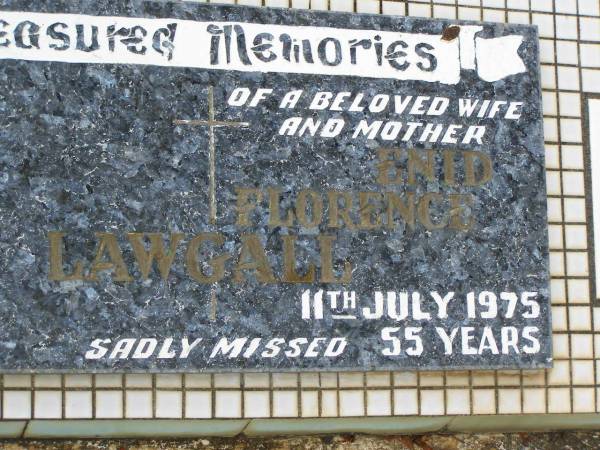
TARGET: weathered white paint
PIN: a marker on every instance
(593, 119)
(493, 59)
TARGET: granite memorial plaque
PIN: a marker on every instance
(203, 187)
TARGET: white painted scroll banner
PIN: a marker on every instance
(252, 47)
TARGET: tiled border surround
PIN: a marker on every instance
(559, 397)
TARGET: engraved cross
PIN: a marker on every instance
(211, 123)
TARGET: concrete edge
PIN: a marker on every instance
(132, 428)
(188, 428)
(367, 425)
(524, 423)
(12, 429)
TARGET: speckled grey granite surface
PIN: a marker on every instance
(88, 148)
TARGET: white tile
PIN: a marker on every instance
(559, 374)
(432, 402)
(568, 78)
(566, 27)
(534, 401)
(509, 401)
(444, 12)
(589, 29)
(78, 404)
(550, 129)
(16, 404)
(566, 6)
(590, 80)
(256, 404)
(198, 405)
(573, 183)
(484, 401)
(227, 380)
(310, 403)
(432, 379)
(560, 346)
(78, 381)
(329, 403)
(301, 4)
(16, 380)
(256, 380)
(277, 3)
(458, 401)
(47, 381)
(576, 237)
(228, 404)
(545, 23)
(405, 378)
(566, 52)
(419, 10)
(542, 5)
(47, 404)
(494, 3)
(548, 77)
(583, 400)
(469, 13)
(583, 372)
(320, 5)
(559, 318)
(570, 104)
(570, 130)
(577, 264)
(109, 404)
(285, 380)
(351, 379)
(285, 403)
(554, 210)
(558, 291)
(589, 7)
(506, 378)
(406, 402)
(483, 378)
(309, 380)
(518, 17)
(368, 6)
(575, 210)
(549, 103)
(517, 4)
(579, 291)
(534, 377)
(169, 380)
(457, 378)
(572, 156)
(379, 403)
(197, 380)
(138, 380)
(580, 318)
(138, 404)
(352, 403)
(489, 15)
(393, 8)
(582, 346)
(168, 404)
(559, 400)
(555, 237)
(590, 55)
(328, 380)
(556, 264)
(108, 380)
(341, 5)
(378, 379)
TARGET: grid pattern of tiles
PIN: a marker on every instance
(570, 56)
